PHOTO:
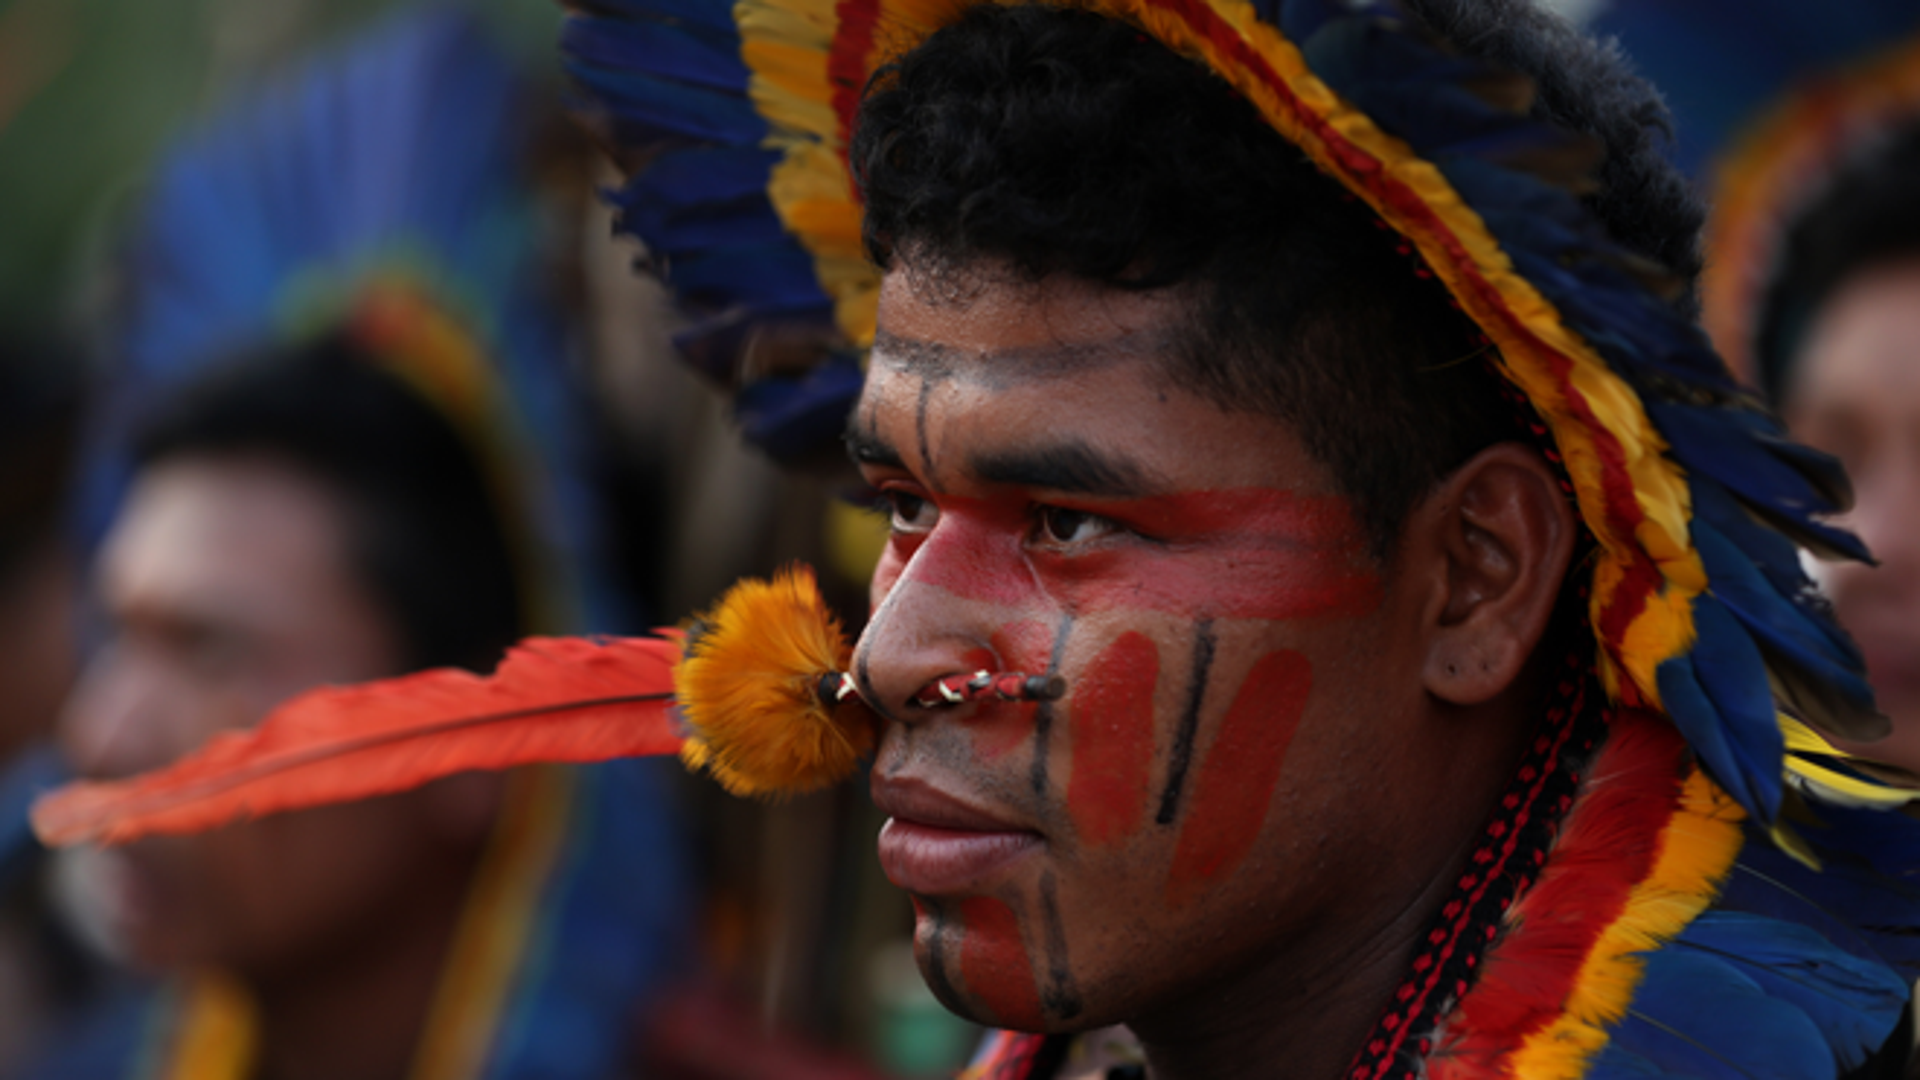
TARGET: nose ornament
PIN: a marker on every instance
(1000, 685)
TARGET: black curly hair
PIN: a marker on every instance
(427, 538)
(1865, 218)
(1051, 140)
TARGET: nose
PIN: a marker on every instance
(922, 631)
(110, 726)
(916, 637)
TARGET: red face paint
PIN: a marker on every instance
(1229, 795)
(1243, 553)
(1113, 737)
(994, 963)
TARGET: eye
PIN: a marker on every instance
(1059, 525)
(910, 513)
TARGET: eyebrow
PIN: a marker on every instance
(1070, 467)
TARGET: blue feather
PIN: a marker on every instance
(1865, 898)
(1744, 451)
(779, 276)
(1853, 1002)
(1696, 1015)
(645, 106)
(792, 417)
(1725, 710)
(703, 174)
(701, 13)
(1789, 632)
(1772, 554)
(684, 54)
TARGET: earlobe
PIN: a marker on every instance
(1502, 533)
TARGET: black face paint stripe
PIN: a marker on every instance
(1182, 759)
(937, 978)
(1043, 714)
(920, 428)
(1061, 995)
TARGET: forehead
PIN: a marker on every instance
(242, 535)
(1085, 380)
(988, 325)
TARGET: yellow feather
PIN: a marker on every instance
(1817, 780)
(746, 688)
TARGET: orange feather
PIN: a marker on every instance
(550, 700)
(749, 691)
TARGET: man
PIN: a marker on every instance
(1381, 623)
(1841, 321)
(298, 522)
(366, 493)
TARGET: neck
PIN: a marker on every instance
(1294, 1016)
(359, 1010)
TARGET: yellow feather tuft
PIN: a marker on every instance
(747, 689)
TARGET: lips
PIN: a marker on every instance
(935, 844)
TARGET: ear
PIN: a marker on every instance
(1502, 532)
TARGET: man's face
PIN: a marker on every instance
(1856, 394)
(226, 587)
(1209, 796)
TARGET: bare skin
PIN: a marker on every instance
(1274, 749)
(1856, 394)
(228, 588)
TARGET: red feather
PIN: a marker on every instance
(550, 700)
(1606, 847)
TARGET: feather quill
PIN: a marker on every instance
(550, 700)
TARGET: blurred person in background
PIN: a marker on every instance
(1813, 292)
(384, 480)
(1840, 352)
(1803, 123)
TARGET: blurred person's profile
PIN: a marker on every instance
(348, 448)
(298, 521)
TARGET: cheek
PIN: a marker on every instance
(1113, 739)
(1236, 780)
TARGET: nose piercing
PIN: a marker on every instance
(837, 686)
(1003, 685)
